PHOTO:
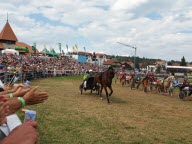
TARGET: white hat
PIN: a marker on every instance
(90, 70)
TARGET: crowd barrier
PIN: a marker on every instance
(6, 77)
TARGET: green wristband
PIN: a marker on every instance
(11, 95)
(22, 101)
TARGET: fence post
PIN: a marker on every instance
(5, 77)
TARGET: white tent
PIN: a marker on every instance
(10, 51)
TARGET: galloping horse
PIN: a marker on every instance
(105, 80)
(123, 79)
(168, 83)
(132, 81)
(159, 85)
(144, 81)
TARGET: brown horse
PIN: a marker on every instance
(132, 81)
(144, 82)
(159, 85)
(105, 80)
(123, 80)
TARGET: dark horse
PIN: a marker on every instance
(144, 81)
(105, 80)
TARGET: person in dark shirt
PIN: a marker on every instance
(185, 84)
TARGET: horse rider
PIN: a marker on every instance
(86, 76)
(166, 75)
(186, 85)
(137, 78)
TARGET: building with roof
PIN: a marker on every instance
(112, 62)
(8, 40)
(98, 58)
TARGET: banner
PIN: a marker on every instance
(84, 49)
(67, 47)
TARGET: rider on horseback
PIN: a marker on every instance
(168, 74)
(86, 76)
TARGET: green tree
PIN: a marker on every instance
(169, 63)
(183, 62)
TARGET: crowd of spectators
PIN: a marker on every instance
(43, 66)
(14, 63)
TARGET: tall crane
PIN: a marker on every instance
(130, 47)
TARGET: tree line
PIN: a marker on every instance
(146, 61)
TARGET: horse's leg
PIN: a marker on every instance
(101, 92)
(106, 92)
(138, 84)
(145, 87)
(110, 90)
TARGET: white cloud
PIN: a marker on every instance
(127, 4)
(99, 24)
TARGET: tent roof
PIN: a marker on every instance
(7, 33)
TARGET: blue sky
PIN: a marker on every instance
(159, 29)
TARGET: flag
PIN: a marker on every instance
(84, 49)
(63, 52)
(73, 49)
(76, 48)
(67, 47)
(34, 47)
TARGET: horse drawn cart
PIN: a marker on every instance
(184, 93)
(89, 86)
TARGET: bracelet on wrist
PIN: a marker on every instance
(22, 101)
(11, 95)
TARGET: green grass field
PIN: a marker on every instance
(133, 117)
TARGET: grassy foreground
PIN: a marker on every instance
(133, 117)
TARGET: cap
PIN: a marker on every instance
(90, 70)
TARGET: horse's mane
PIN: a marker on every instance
(132, 76)
(110, 68)
(146, 77)
(170, 77)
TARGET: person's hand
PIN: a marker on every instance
(23, 134)
(4, 110)
(21, 92)
(16, 88)
(7, 87)
(37, 98)
(29, 95)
